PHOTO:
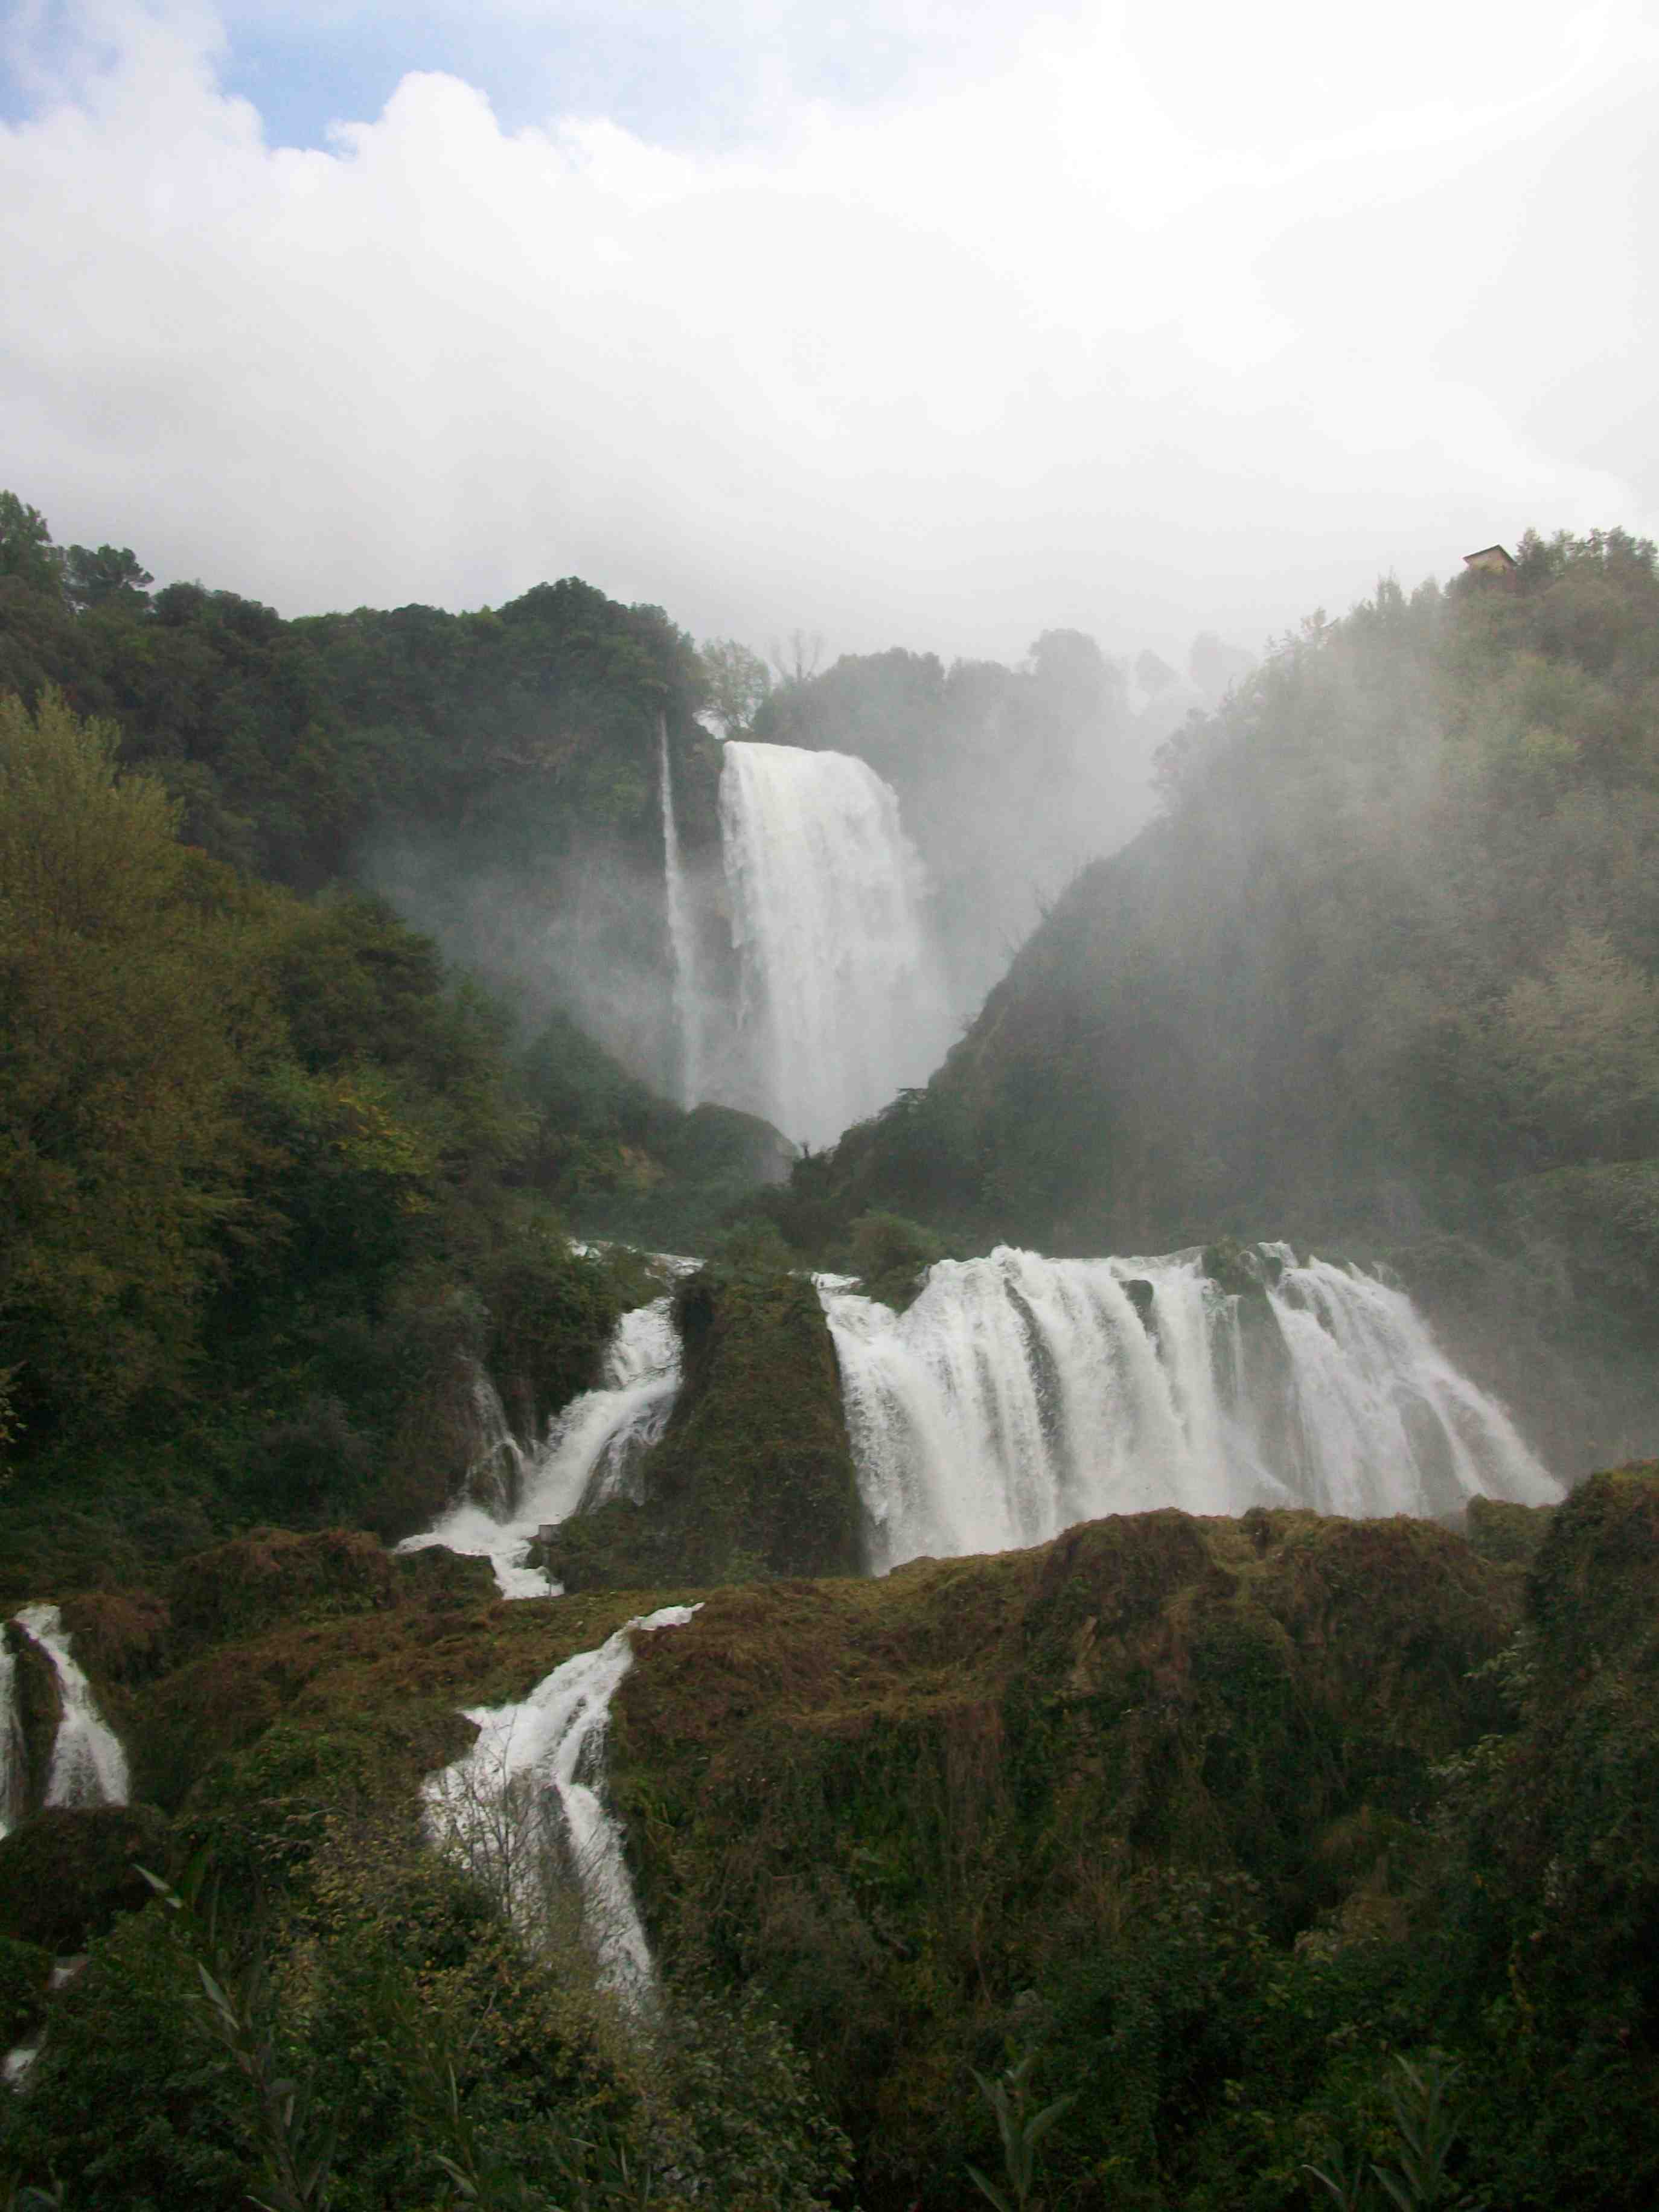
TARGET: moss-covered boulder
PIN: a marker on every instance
(753, 1476)
(120, 1636)
(237, 1589)
(1508, 1535)
(65, 1874)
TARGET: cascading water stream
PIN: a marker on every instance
(13, 1759)
(1020, 1395)
(88, 1766)
(841, 1006)
(592, 1453)
(525, 1803)
(681, 937)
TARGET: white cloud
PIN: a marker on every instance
(1132, 331)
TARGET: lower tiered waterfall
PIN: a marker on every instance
(88, 1766)
(592, 1452)
(1020, 1395)
(524, 1806)
(841, 1006)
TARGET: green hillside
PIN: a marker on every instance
(1384, 975)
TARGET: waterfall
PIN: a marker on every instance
(88, 1766)
(495, 1472)
(1020, 1395)
(592, 1452)
(526, 1801)
(681, 937)
(840, 1004)
(13, 1760)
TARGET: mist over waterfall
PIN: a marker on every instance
(1020, 1395)
(592, 1452)
(525, 1803)
(841, 1005)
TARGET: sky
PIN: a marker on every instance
(903, 325)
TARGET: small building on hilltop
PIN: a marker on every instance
(1492, 561)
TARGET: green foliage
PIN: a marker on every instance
(128, 2103)
(112, 577)
(27, 552)
(738, 683)
(1426, 2131)
(25, 1973)
(890, 1256)
(68, 1874)
(1020, 2131)
(129, 1020)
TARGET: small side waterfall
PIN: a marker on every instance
(1020, 1395)
(88, 1766)
(13, 1776)
(592, 1452)
(496, 1473)
(841, 1006)
(524, 1804)
(682, 937)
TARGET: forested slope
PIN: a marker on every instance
(276, 1184)
(1382, 975)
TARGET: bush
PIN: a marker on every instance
(66, 1875)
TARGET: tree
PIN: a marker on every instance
(796, 658)
(738, 681)
(126, 1019)
(26, 548)
(113, 576)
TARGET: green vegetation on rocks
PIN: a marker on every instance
(754, 1475)
(65, 1876)
(1214, 1822)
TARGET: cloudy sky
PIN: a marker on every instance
(901, 322)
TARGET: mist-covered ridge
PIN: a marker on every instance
(1382, 974)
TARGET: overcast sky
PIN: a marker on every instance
(906, 324)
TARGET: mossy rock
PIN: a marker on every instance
(1234, 1267)
(1594, 1585)
(120, 1636)
(754, 1475)
(1508, 1535)
(66, 1874)
(240, 1588)
(891, 1257)
(442, 1580)
(25, 1979)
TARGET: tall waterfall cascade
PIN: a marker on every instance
(689, 1009)
(526, 1803)
(592, 1452)
(841, 1005)
(1020, 1395)
(88, 1766)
